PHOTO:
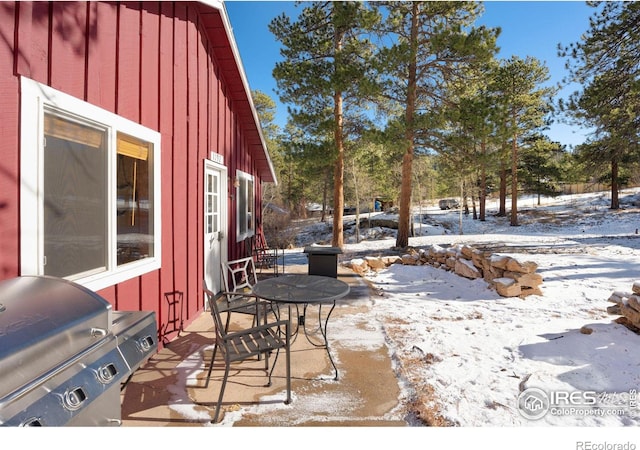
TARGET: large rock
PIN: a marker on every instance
(410, 259)
(479, 259)
(526, 291)
(435, 251)
(467, 251)
(466, 269)
(634, 302)
(451, 255)
(507, 287)
(499, 261)
(450, 262)
(491, 272)
(374, 263)
(388, 260)
(618, 297)
(529, 280)
(359, 266)
(614, 310)
(630, 313)
(513, 265)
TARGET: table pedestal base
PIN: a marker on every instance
(301, 322)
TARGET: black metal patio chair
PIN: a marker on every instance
(239, 276)
(261, 339)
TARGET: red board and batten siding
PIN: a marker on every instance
(128, 83)
(9, 145)
(149, 117)
(165, 112)
(155, 63)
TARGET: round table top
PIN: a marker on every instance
(301, 289)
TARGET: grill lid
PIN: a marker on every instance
(45, 321)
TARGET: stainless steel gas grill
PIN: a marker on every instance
(64, 353)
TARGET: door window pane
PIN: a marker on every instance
(215, 200)
(209, 197)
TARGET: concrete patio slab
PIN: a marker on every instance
(169, 389)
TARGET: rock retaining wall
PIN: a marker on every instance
(627, 305)
(508, 276)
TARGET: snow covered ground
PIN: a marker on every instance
(479, 351)
(492, 361)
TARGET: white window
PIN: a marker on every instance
(244, 206)
(90, 191)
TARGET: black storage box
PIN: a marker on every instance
(323, 260)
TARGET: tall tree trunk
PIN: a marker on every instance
(539, 187)
(465, 197)
(502, 211)
(460, 231)
(338, 190)
(514, 181)
(338, 179)
(482, 197)
(615, 201)
(402, 240)
(302, 208)
(357, 198)
(289, 202)
(325, 188)
(473, 206)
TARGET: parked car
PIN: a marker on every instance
(449, 203)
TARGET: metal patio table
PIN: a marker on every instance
(302, 291)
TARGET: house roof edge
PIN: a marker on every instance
(219, 5)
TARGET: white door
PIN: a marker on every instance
(215, 214)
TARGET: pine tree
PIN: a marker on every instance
(606, 64)
(431, 44)
(323, 76)
(524, 104)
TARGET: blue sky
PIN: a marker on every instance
(529, 28)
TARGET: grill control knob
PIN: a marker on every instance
(74, 398)
(32, 422)
(107, 373)
(145, 343)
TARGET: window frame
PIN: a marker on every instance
(245, 205)
(36, 98)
